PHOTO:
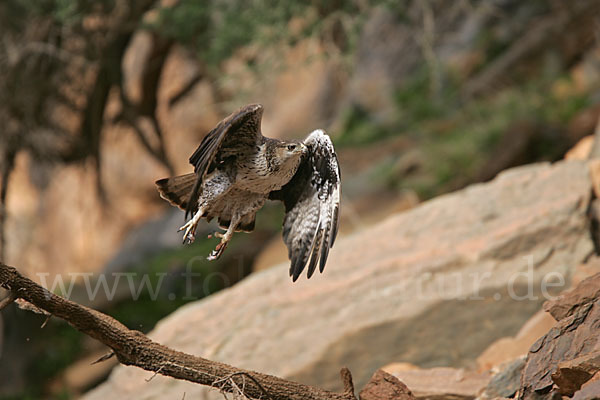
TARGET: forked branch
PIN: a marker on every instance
(134, 348)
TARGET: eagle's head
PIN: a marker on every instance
(289, 154)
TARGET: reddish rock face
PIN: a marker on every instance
(569, 354)
(569, 303)
(384, 386)
(590, 390)
(402, 290)
(572, 374)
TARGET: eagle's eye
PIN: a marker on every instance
(291, 147)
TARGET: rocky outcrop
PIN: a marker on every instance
(565, 305)
(564, 361)
(571, 375)
(568, 356)
(506, 382)
(433, 286)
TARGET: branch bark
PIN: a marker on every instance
(134, 348)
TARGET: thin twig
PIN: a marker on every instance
(46, 321)
(104, 358)
(155, 373)
(244, 374)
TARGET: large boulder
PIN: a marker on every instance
(433, 286)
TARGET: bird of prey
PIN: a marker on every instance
(236, 169)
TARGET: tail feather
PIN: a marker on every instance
(177, 190)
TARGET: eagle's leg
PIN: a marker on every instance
(190, 227)
(225, 238)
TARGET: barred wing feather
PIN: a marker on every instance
(312, 205)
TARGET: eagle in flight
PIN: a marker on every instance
(236, 169)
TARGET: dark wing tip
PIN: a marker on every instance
(336, 223)
(324, 255)
(295, 272)
(312, 265)
(248, 111)
(316, 253)
(253, 107)
(161, 182)
(297, 266)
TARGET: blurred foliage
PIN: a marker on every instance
(216, 29)
(167, 273)
(462, 145)
(456, 137)
(63, 12)
(60, 347)
(174, 265)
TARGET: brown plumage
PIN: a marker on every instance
(176, 190)
(236, 170)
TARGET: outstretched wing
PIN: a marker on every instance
(238, 131)
(312, 206)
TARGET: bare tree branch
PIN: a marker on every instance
(134, 348)
(146, 107)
